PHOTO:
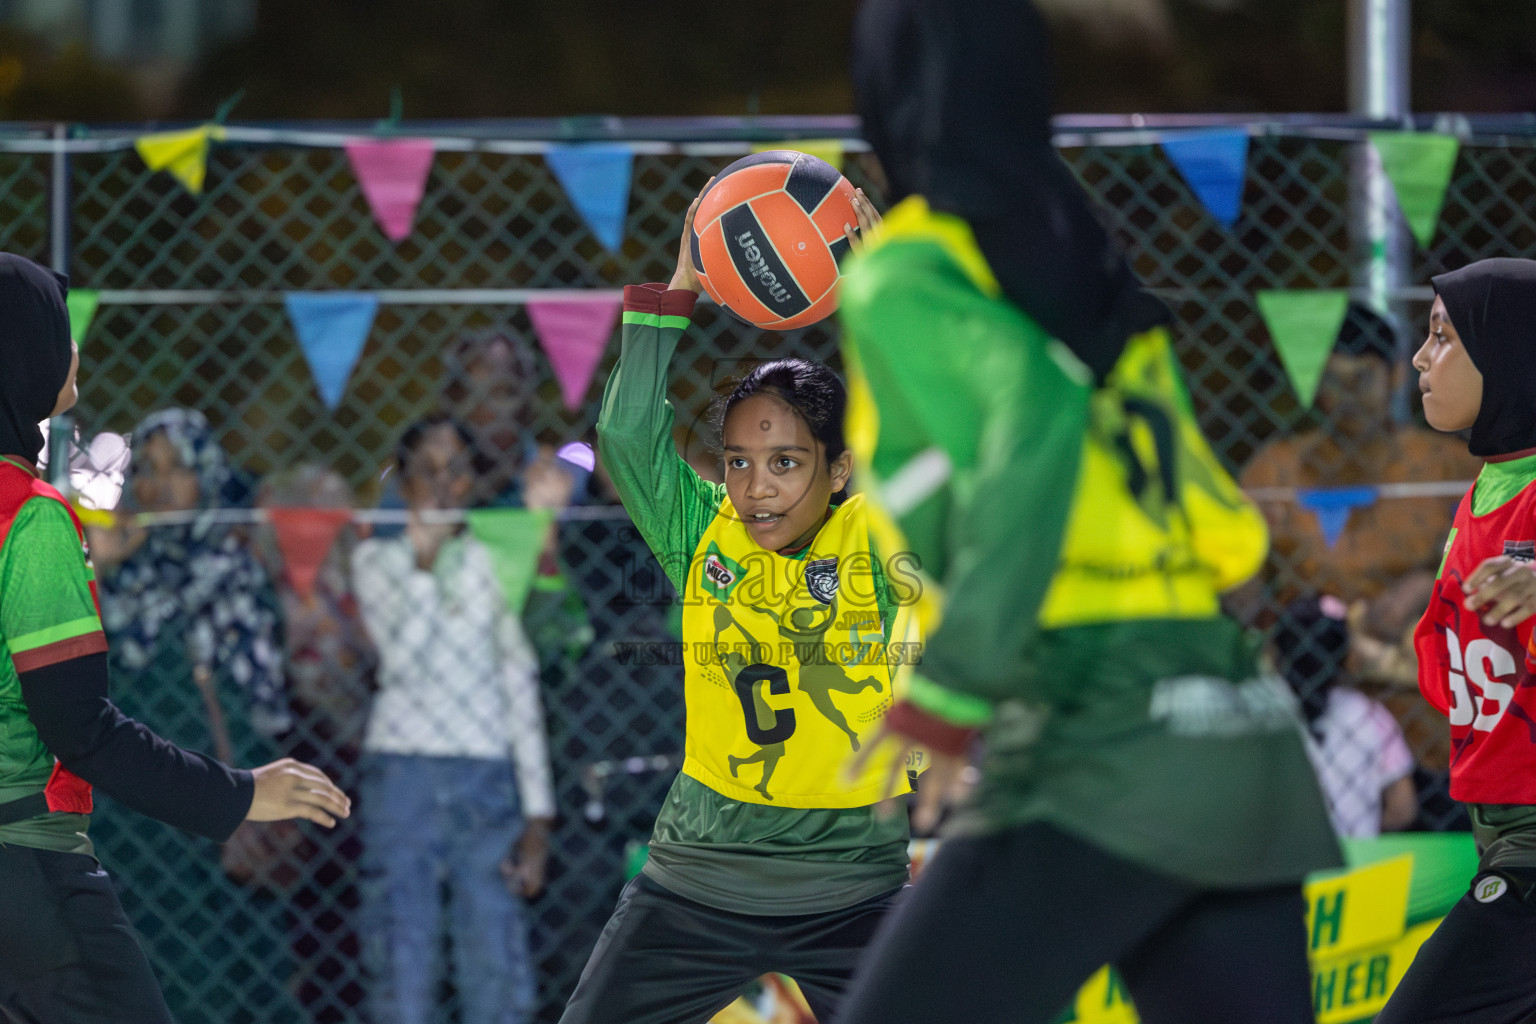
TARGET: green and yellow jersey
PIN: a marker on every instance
(1075, 539)
(789, 668)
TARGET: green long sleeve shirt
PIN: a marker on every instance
(736, 856)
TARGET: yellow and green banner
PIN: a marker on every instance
(1364, 925)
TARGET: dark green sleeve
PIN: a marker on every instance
(669, 503)
(973, 377)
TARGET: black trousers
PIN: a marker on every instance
(1479, 966)
(1006, 928)
(67, 952)
(663, 959)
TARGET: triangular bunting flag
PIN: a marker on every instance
(393, 176)
(515, 537)
(1214, 164)
(82, 303)
(184, 154)
(332, 328)
(1419, 165)
(596, 177)
(305, 536)
(1304, 325)
(574, 335)
(830, 150)
(1333, 505)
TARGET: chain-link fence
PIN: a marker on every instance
(192, 315)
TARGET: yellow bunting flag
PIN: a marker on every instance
(830, 150)
(184, 154)
(1102, 1000)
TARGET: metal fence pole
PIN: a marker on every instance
(61, 429)
(1379, 90)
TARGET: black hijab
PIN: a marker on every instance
(35, 352)
(1492, 305)
(956, 101)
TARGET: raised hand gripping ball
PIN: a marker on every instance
(768, 235)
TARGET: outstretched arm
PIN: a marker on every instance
(56, 645)
(669, 503)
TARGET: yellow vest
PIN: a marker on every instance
(787, 670)
(1131, 550)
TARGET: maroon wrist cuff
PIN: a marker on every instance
(934, 733)
(659, 299)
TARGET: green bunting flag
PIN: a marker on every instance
(1304, 325)
(515, 538)
(82, 303)
(1419, 165)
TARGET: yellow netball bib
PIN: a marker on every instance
(788, 673)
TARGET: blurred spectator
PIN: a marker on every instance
(1388, 552)
(1364, 766)
(330, 667)
(489, 382)
(1384, 561)
(195, 654)
(456, 789)
(329, 659)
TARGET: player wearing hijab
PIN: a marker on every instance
(67, 952)
(1145, 799)
(1477, 371)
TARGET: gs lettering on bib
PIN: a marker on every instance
(1479, 675)
(788, 672)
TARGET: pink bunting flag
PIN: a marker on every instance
(574, 334)
(305, 536)
(393, 176)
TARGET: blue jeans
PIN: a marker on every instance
(428, 822)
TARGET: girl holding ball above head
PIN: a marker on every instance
(767, 856)
(1477, 372)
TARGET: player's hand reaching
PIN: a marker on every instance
(1502, 591)
(869, 219)
(685, 277)
(292, 789)
(944, 782)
